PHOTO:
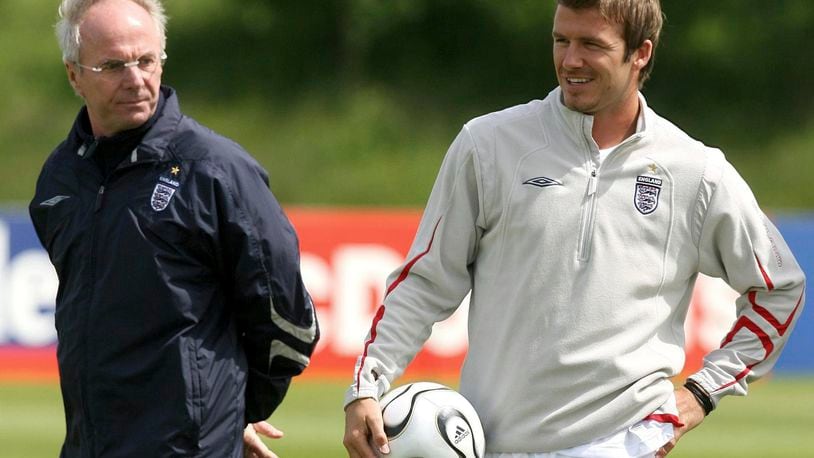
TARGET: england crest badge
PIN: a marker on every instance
(646, 196)
(161, 197)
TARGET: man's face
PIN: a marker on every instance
(117, 30)
(589, 59)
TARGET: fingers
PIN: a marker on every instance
(356, 441)
(363, 428)
(268, 430)
(663, 451)
(253, 446)
(375, 425)
(691, 415)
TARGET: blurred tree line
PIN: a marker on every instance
(354, 102)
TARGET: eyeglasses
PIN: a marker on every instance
(147, 64)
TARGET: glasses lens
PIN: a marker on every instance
(148, 64)
(112, 67)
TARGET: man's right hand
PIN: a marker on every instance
(364, 429)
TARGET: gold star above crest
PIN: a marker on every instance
(653, 168)
(175, 170)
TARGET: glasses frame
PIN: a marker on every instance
(125, 65)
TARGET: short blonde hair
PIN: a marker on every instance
(642, 20)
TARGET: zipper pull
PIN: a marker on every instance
(99, 197)
(89, 149)
(592, 183)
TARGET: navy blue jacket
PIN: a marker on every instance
(181, 312)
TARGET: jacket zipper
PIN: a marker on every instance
(99, 199)
(97, 206)
(589, 209)
(85, 373)
(588, 216)
(95, 217)
(589, 212)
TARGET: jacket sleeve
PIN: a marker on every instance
(434, 279)
(275, 316)
(739, 244)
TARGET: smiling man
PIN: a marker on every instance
(579, 224)
(599, 72)
(181, 313)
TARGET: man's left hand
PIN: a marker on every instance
(253, 446)
(690, 413)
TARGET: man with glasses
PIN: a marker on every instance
(181, 312)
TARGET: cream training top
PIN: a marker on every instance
(581, 275)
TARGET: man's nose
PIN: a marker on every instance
(572, 57)
(133, 76)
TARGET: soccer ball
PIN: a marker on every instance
(429, 420)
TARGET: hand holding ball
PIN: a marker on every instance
(430, 420)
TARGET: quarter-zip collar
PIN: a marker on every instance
(582, 124)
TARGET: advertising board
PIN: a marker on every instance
(346, 258)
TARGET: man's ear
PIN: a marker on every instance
(71, 70)
(643, 54)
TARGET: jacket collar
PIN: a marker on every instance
(156, 133)
(155, 142)
(582, 124)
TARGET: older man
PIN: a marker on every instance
(181, 312)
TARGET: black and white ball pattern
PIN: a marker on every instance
(430, 420)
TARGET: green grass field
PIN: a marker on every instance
(773, 421)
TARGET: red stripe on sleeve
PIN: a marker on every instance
(767, 315)
(745, 322)
(380, 313)
(742, 374)
(376, 319)
(406, 270)
(766, 278)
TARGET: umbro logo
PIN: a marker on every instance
(53, 201)
(460, 434)
(543, 182)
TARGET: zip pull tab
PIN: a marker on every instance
(99, 197)
(87, 150)
(592, 183)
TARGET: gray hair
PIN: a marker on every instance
(72, 13)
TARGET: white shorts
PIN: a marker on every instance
(641, 440)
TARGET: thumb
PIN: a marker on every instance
(267, 429)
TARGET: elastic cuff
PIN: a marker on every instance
(353, 394)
